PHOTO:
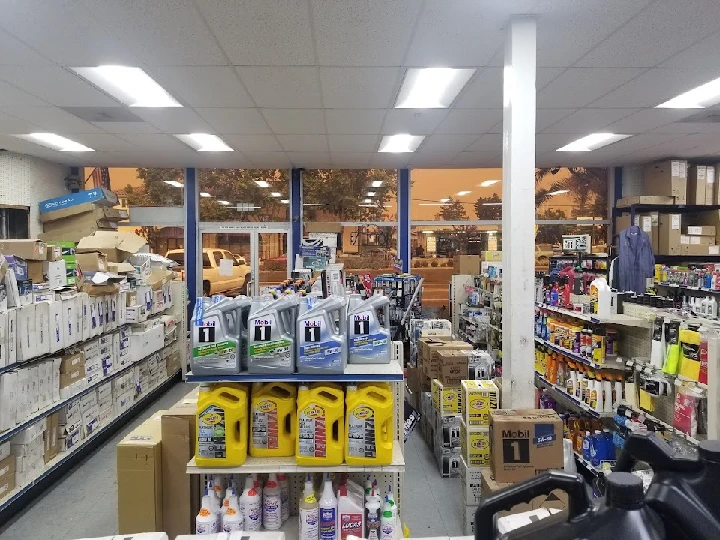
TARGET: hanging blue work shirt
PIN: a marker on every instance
(636, 261)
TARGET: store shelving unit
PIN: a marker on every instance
(624, 320)
(574, 356)
(675, 209)
(568, 399)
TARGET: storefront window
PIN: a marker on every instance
(138, 187)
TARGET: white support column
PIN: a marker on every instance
(518, 212)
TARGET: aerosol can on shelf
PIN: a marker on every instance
(322, 344)
(368, 338)
(271, 337)
(320, 432)
(369, 425)
(309, 515)
(206, 522)
(232, 519)
(284, 496)
(273, 419)
(221, 438)
(328, 511)
(215, 338)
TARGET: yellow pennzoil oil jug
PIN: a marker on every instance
(321, 412)
(272, 419)
(222, 426)
(369, 424)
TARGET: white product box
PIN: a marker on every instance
(42, 327)
(11, 336)
(93, 378)
(56, 273)
(106, 416)
(105, 340)
(70, 413)
(8, 399)
(57, 336)
(88, 400)
(70, 440)
(90, 420)
(91, 348)
(26, 332)
(28, 435)
(55, 384)
(93, 365)
(104, 392)
(100, 310)
(78, 324)
(4, 352)
(94, 322)
(43, 295)
(69, 321)
(469, 520)
(168, 295)
(135, 314)
(144, 343)
(471, 481)
(121, 306)
(4, 451)
(22, 396)
(124, 401)
(86, 316)
(34, 381)
(42, 386)
(144, 297)
(113, 310)
(158, 301)
(153, 363)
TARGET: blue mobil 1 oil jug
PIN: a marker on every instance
(684, 490)
(368, 339)
(321, 343)
(215, 337)
(622, 515)
(271, 342)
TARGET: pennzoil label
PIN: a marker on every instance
(265, 426)
(361, 432)
(211, 432)
(312, 435)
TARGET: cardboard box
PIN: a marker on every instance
(139, 478)
(453, 366)
(626, 202)
(448, 460)
(87, 221)
(71, 377)
(18, 265)
(697, 240)
(96, 195)
(469, 520)
(428, 348)
(51, 437)
(475, 444)
(669, 227)
(52, 253)
(93, 208)
(35, 271)
(478, 399)
(697, 184)
(6, 487)
(666, 178)
(710, 189)
(491, 256)
(180, 501)
(650, 222)
(557, 499)
(116, 245)
(93, 261)
(471, 481)
(525, 443)
(466, 264)
(30, 250)
(701, 230)
(56, 272)
(446, 400)
(447, 431)
(417, 381)
(699, 249)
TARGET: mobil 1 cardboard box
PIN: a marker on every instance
(524, 443)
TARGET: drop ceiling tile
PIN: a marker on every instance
(155, 142)
(476, 159)
(354, 122)
(161, 32)
(549, 142)
(221, 160)
(413, 121)
(303, 143)
(174, 119)
(203, 86)
(261, 32)
(353, 143)
(646, 120)
(546, 75)
(53, 119)
(358, 88)
(14, 125)
(445, 143)
(56, 86)
(295, 121)
(384, 160)
(253, 143)
(12, 95)
(702, 55)
(655, 35)
(364, 33)
(13, 51)
(656, 86)
(640, 142)
(432, 160)
(487, 143)
(310, 160)
(126, 127)
(287, 87)
(577, 87)
(103, 142)
(235, 121)
(351, 160)
(688, 127)
(484, 91)
(269, 160)
(587, 121)
(470, 121)
(547, 117)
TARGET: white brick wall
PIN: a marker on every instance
(27, 180)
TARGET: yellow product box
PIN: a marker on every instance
(491, 256)
(475, 445)
(478, 399)
(446, 399)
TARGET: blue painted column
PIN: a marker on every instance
(404, 218)
(296, 207)
(193, 242)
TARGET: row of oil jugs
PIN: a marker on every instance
(320, 423)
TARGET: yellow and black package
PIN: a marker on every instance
(672, 351)
(690, 353)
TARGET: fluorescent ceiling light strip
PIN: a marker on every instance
(370, 193)
(488, 183)
(130, 85)
(276, 194)
(698, 98)
(285, 201)
(400, 143)
(205, 194)
(492, 204)
(592, 142)
(173, 183)
(224, 203)
(428, 232)
(204, 142)
(56, 142)
(445, 200)
(559, 192)
(262, 183)
(433, 204)
(431, 88)
(463, 193)
(376, 183)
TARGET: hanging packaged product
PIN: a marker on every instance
(320, 431)
(657, 349)
(690, 353)
(222, 426)
(272, 419)
(369, 425)
(321, 344)
(368, 336)
(672, 352)
(271, 337)
(215, 338)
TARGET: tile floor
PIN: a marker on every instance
(83, 504)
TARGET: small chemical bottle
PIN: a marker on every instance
(272, 505)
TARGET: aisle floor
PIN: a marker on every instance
(83, 503)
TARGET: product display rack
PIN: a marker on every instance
(686, 287)
(675, 209)
(574, 356)
(567, 398)
(620, 319)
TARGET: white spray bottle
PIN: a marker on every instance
(252, 509)
(308, 513)
(284, 496)
(328, 511)
(206, 521)
(373, 506)
(272, 505)
(389, 497)
(232, 519)
(387, 522)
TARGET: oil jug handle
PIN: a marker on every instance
(648, 447)
(573, 484)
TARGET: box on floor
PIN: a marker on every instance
(446, 400)
(475, 444)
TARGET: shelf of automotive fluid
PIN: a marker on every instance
(63, 457)
(575, 356)
(391, 372)
(564, 395)
(288, 465)
(688, 287)
(669, 428)
(624, 320)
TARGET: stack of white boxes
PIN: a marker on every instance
(90, 413)
(142, 377)
(70, 422)
(146, 338)
(28, 447)
(123, 391)
(121, 348)
(106, 344)
(156, 370)
(9, 390)
(105, 403)
(72, 374)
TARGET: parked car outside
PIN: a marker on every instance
(216, 281)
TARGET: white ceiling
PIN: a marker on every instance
(311, 83)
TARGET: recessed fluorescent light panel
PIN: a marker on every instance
(559, 192)
(204, 142)
(173, 183)
(205, 194)
(698, 98)
(492, 204)
(488, 183)
(262, 183)
(447, 200)
(276, 194)
(56, 142)
(376, 183)
(285, 201)
(130, 85)
(434, 204)
(370, 193)
(400, 143)
(431, 88)
(463, 193)
(592, 142)
(224, 203)
(428, 232)
(366, 201)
